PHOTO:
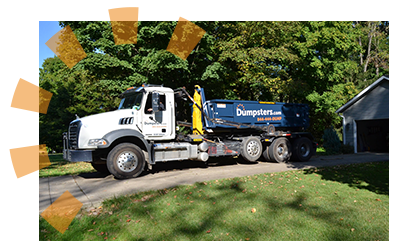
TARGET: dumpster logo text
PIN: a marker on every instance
(241, 111)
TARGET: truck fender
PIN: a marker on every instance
(117, 134)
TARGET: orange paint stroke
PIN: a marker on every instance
(30, 97)
(181, 18)
(29, 159)
(44, 160)
(124, 14)
(67, 47)
(185, 37)
(124, 23)
(63, 210)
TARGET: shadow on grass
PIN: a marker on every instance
(223, 212)
(372, 176)
(221, 220)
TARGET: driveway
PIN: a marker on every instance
(92, 188)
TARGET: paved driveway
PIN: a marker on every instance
(92, 188)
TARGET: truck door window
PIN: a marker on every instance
(162, 103)
(148, 107)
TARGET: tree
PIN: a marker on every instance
(254, 59)
(324, 106)
(74, 93)
(374, 40)
(145, 62)
(327, 52)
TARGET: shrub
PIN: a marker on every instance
(332, 142)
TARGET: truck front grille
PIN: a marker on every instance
(73, 134)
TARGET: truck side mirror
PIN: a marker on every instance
(155, 102)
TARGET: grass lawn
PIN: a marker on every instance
(349, 202)
(60, 167)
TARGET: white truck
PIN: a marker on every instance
(143, 131)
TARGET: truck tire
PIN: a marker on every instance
(302, 149)
(126, 160)
(279, 150)
(251, 149)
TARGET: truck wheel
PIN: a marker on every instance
(251, 149)
(125, 160)
(302, 149)
(279, 150)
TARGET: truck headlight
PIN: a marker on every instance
(97, 142)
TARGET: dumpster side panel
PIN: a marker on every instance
(281, 115)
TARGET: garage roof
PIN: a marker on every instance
(361, 94)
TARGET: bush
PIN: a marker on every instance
(332, 142)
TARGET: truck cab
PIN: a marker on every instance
(145, 115)
(153, 110)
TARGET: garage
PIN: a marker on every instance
(373, 135)
(366, 118)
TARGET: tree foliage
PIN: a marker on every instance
(323, 64)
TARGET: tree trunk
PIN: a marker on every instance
(359, 42)
(370, 35)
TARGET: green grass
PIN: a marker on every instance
(349, 202)
(321, 151)
(61, 167)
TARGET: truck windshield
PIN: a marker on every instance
(132, 101)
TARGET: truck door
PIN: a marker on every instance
(156, 116)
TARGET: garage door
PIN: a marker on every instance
(373, 135)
